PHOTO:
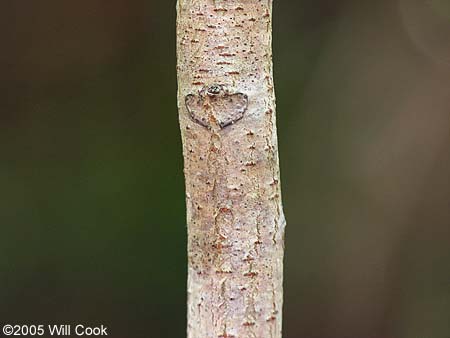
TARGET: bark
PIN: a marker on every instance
(235, 220)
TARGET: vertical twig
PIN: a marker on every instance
(235, 220)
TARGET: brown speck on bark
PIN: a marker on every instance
(234, 212)
(251, 274)
(227, 54)
(271, 318)
(226, 336)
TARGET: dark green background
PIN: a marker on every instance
(92, 218)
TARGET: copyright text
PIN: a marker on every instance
(65, 330)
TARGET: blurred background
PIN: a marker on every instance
(92, 217)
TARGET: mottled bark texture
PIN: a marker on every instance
(235, 220)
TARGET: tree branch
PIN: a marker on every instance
(235, 220)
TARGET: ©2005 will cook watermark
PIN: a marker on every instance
(66, 330)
